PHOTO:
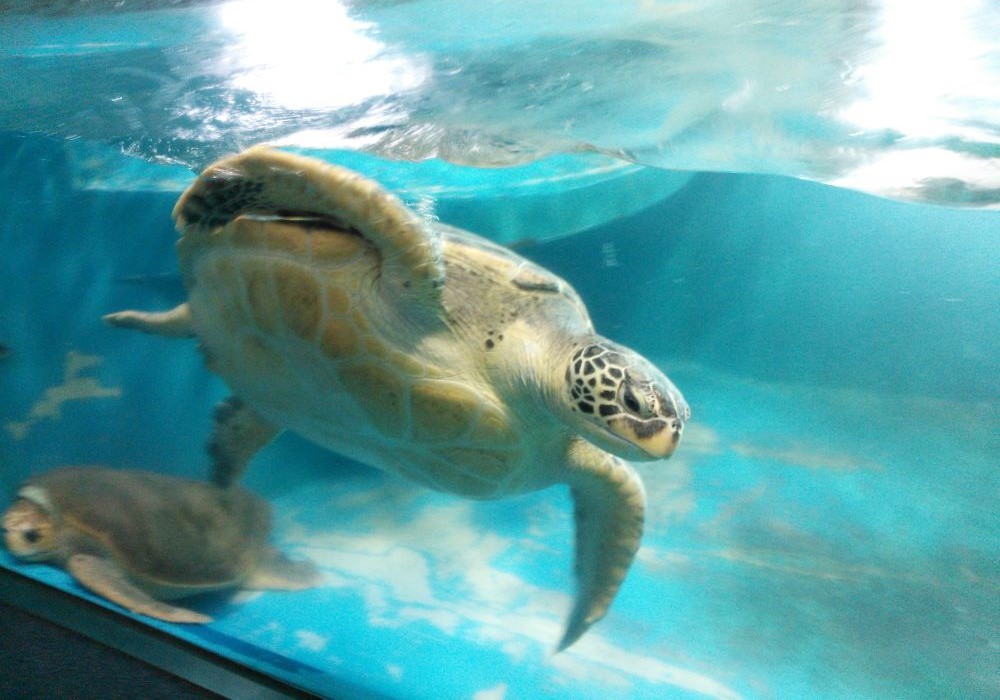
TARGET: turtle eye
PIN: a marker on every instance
(630, 400)
(31, 536)
(636, 401)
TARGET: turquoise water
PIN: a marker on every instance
(827, 529)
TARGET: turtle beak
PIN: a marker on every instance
(662, 444)
(656, 438)
(659, 436)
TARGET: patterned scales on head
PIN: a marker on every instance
(331, 309)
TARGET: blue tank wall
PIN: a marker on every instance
(796, 282)
(759, 276)
(71, 256)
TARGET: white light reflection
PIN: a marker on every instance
(932, 79)
(931, 68)
(310, 54)
(905, 174)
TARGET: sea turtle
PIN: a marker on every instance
(137, 538)
(333, 310)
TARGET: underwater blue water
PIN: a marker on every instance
(829, 506)
(827, 529)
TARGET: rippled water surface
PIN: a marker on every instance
(892, 97)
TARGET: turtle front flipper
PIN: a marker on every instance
(275, 571)
(104, 578)
(610, 504)
(240, 433)
(175, 323)
(264, 182)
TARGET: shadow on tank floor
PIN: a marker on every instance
(39, 659)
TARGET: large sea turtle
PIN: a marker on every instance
(138, 538)
(333, 310)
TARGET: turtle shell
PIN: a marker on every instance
(162, 530)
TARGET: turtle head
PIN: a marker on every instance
(28, 527)
(623, 403)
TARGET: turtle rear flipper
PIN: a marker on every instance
(239, 434)
(277, 572)
(105, 579)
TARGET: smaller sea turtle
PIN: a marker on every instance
(137, 538)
